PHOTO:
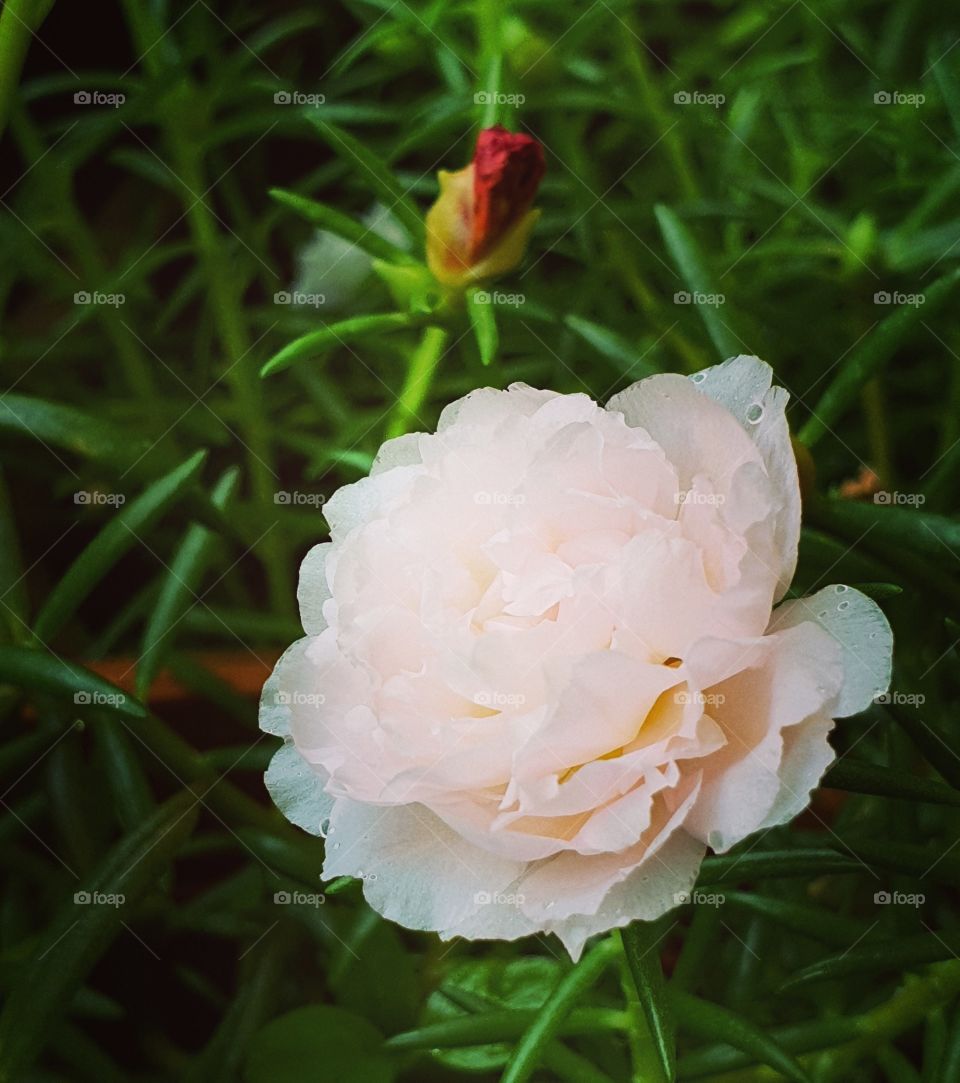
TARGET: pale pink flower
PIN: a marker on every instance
(543, 670)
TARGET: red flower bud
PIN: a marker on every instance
(478, 227)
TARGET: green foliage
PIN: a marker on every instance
(722, 178)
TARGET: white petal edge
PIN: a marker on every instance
(297, 790)
(415, 870)
(857, 623)
(742, 384)
(275, 714)
(313, 589)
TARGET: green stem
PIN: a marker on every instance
(545, 1027)
(137, 369)
(877, 432)
(184, 133)
(907, 1008)
(641, 950)
(19, 20)
(651, 101)
(422, 368)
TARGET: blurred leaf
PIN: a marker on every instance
(880, 957)
(126, 780)
(367, 947)
(324, 217)
(642, 945)
(318, 1039)
(548, 1021)
(502, 1026)
(867, 358)
(223, 1057)
(71, 430)
(803, 918)
(484, 324)
(37, 670)
(626, 358)
(711, 1022)
(86, 927)
(774, 863)
(860, 777)
(342, 333)
(372, 172)
(697, 277)
(939, 746)
(13, 591)
(521, 984)
(178, 593)
(116, 538)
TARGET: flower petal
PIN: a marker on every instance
(857, 623)
(297, 789)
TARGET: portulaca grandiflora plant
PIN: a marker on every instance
(552, 659)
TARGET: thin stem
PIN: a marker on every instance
(184, 135)
(420, 372)
(545, 1027)
(19, 19)
(651, 101)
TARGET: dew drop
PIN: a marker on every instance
(754, 413)
(841, 589)
(336, 846)
(873, 635)
(843, 605)
(552, 903)
(822, 614)
(324, 828)
(698, 377)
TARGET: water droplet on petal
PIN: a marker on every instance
(843, 605)
(841, 589)
(698, 377)
(754, 413)
(324, 828)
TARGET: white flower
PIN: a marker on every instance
(562, 691)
